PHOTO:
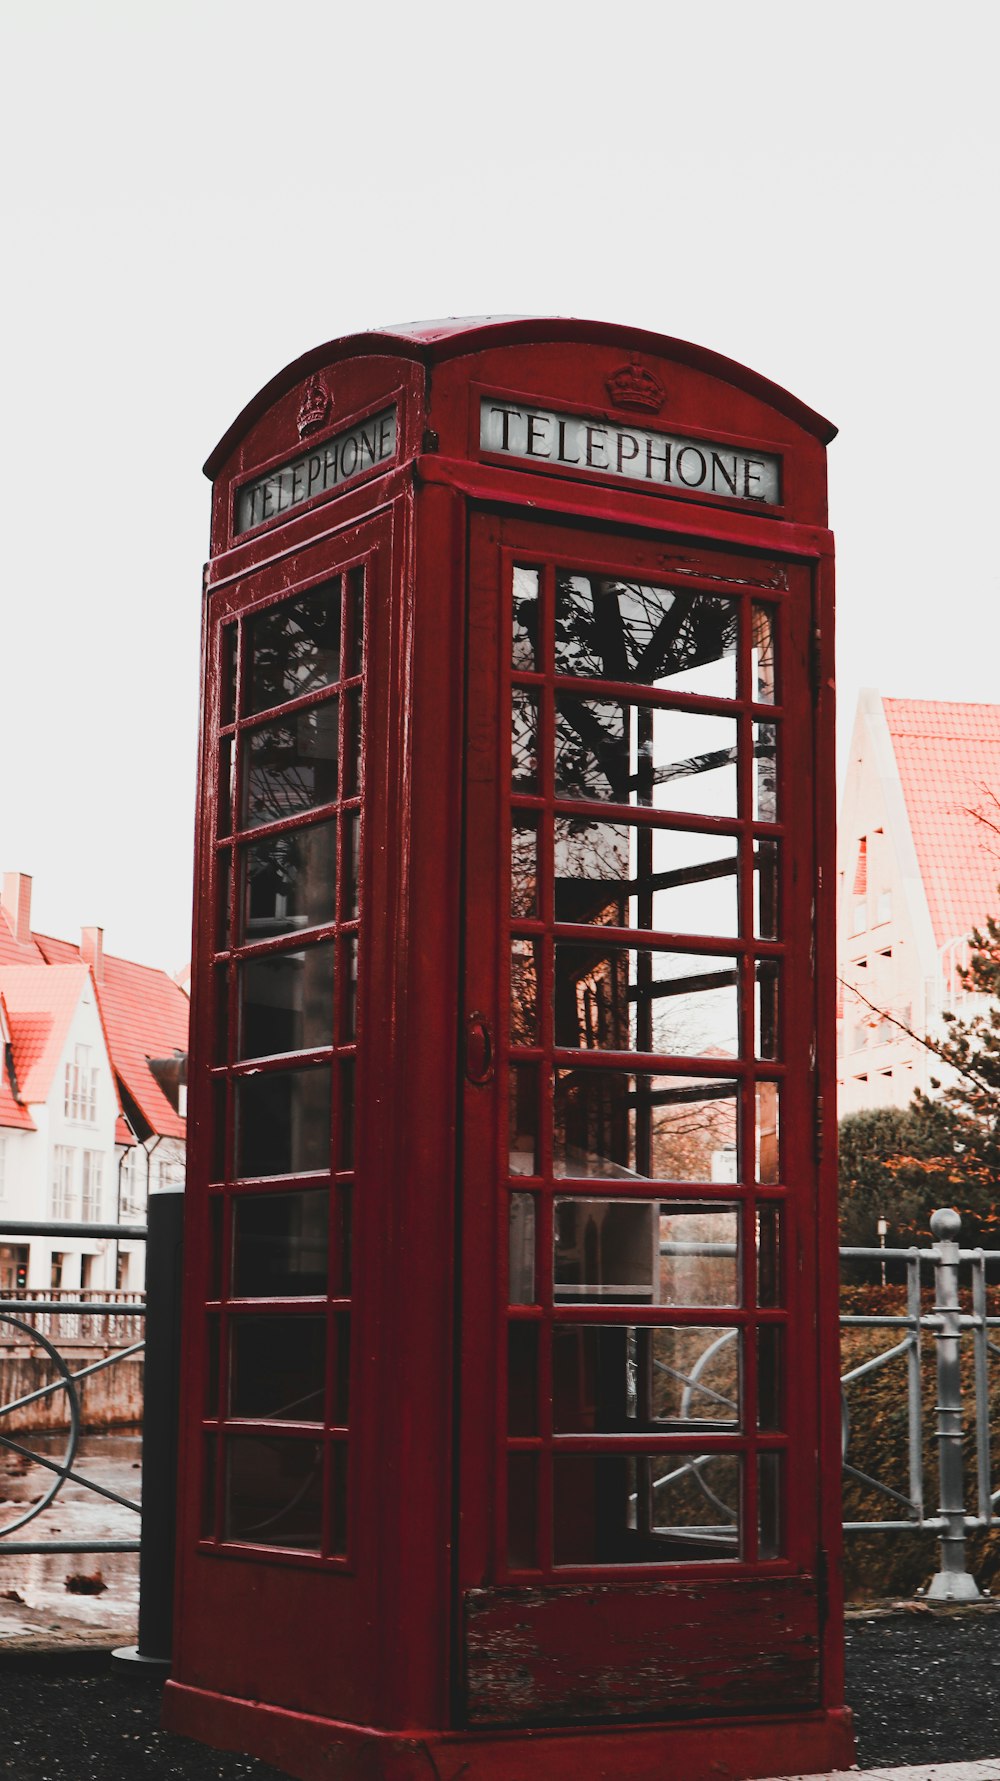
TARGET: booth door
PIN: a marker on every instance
(638, 1482)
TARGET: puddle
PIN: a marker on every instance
(35, 1604)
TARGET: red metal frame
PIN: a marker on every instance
(360, 1663)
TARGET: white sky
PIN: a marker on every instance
(193, 194)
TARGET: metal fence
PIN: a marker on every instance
(46, 1320)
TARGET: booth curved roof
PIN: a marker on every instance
(432, 341)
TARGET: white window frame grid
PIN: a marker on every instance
(80, 1092)
(92, 1186)
(63, 1171)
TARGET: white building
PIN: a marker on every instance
(92, 1099)
(918, 869)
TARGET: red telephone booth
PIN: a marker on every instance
(510, 1437)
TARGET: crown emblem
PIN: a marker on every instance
(635, 387)
(314, 407)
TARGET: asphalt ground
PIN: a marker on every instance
(924, 1685)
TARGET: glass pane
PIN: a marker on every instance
(286, 1001)
(654, 636)
(764, 638)
(280, 1244)
(274, 1492)
(616, 1379)
(223, 869)
(627, 877)
(524, 866)
(342, 1369)
(215, 1217)
(288, 882)
(225, 792)
(227, 691)
(353, 742)
(766, 1031)
(768, 1255)
(524, 992)
(674, 1128)
(210, 1451)
(348, 989)
(524, 741)
(344, 1242)
(522, 1378)
(645, 1252)
(294, 648)
(283, 1122)
(522, 1511)
(345, 1156)
(770, 1377)
(523, 1121)
(524, 653)
(620, 999)
(676, 1508)
(770, 1536)
(277, 1368)
(522, 1249)
(213, 1356)
(338, 1505)
(290, 766)
(765, 772)
(765, 889)
(767, 1160)
(633, 754)
(354, 626)
(351, 866)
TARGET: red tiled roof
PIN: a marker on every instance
(40, 1006)
(12, 1114)
(11, 950)
(948, 756)
(145, 1015)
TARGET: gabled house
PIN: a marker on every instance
(92, 1098)
(918, 869)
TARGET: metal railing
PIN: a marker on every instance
(948, 1324)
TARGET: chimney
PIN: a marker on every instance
(92, 951)
(16, 902)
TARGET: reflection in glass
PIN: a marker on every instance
(524, 865)
(769, 1376)
(277, 1368)
(621, 999)
(354, 628)
(352, 742)
(350, 866)
(665, 1508)
(283, 1121)
(280, 1244)
(273, 1492)
(618, 1379)
(290, 766)
(767, 1159)
(285, 1001)
(645, 1252)
(225, 787)
(522, 1103)
(634, 754)
(345, 1122)
(521, 1232)
(653, 636)
(524, 653)
(343, 1231)
(765, 772)
(770, 1536)
(227, 691)
(764, 637)
(288, 881)
(294, 648)
(210, 1452)
(522, 1378)
(341, 1369)
(524, 992)
(523, 741)
(629, 877)
(765, 888)
(768, 1254)
(348, 989)
(766, 1041)
(674, 1128)
(522, 1511)
(338, 1503)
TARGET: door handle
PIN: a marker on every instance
(479, 1056)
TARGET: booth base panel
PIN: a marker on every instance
(314, 1749)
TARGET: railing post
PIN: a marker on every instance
(161, 1394)
(952, 1583)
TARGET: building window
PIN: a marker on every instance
(56, 1275)
(883, 908)
(80, 1096)
(62, 1180)
(93, 1171)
